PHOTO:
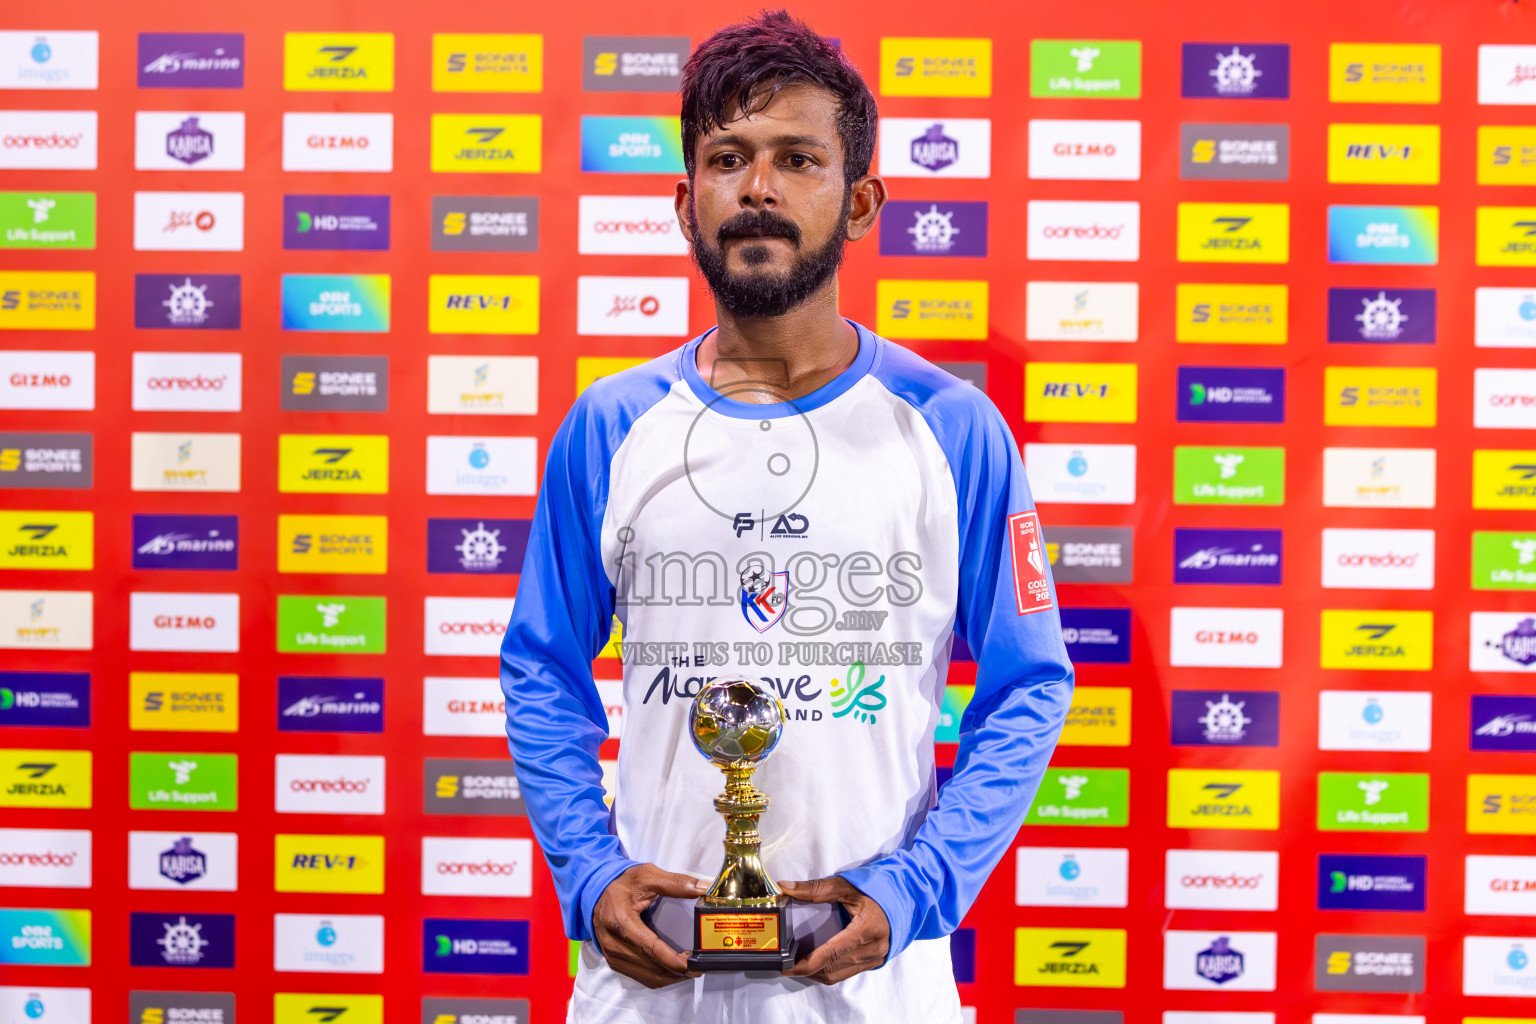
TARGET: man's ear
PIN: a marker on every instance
(868, 196)
(680, 204)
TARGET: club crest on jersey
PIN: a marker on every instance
(764, 596)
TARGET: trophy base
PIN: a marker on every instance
(742, 938)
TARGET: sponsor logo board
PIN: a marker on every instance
(1373, 720)
(1228, 476)
(1387, 640)
(1091, 554)
(1226, 637)
(1383, 802)
(1225, 718)
(1098, 635)
(338, 142)
(931, 228)
(329, 784)
(488, 223)
(476, 867)
(335, 383)
(46, 461)
(1391, 316)
(1081, 311)
(1234, 152)
(935, 67)
(486, 62)
(1229, 798)
(48, 699)
(1092, 231)
(1370, 882)
(45, 778)
(1379, 559)
(1082, 796)
(1085, 69)
(181, 940)
(1047, 876)
(915, 147)
(1232, 314)
(1084, 474)
(1384, 235)
(1379, 477)
(329, 864)
(47, 301)
(328, 943)
(184, 701)
(186, 542)
(202, 623)
(45, 938)
(47, 220)
(49, 60)
(188, 141)
(330, 704)
(42, 858)
(338, 62)
(1235, 71)
(187, 382)
(34, 380)
(1085, 150)
(1069, 957)
(472, 786)
(1231, 394)
(46, 620)
(183, 861)
(47, 140)
(1100, 716)
(1228, 556)
(1222, 880)
(631, 145)
(633, 63)
(1384, 154)
(191, 60)
(183, 782)
(1219, 961)
(188, 221)
(311, 624)
(1383, 73)
(1369, 963)
(186, 302)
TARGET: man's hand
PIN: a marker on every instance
(629, 944)
(860, 947)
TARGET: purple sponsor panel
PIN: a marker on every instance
(187, 301)
(186, 542)
(330, 704)
(931, 228)
(1097, 635)
(181, 940)
(1383, 316)
(1502, 722)
(1228, 556)
(53, 699)
(1225, 718)
(477, 546)
(1231, 394)
(191, 60)
(1237, 71)
(336, 222)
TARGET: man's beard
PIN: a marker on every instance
(759, 296)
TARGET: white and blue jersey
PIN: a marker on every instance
(832, 547)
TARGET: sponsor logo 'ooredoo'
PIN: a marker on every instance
(187, 381)
(476, 867)
(329, 784)
(45, 858)
(1222, 880)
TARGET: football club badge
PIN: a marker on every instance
(764, 596)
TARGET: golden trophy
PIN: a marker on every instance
(742, 923)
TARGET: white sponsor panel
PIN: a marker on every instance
(201, 623)
(338, 142)
(329, 784)
(628, 226)
(463, 706)
(476, 867)
(184, 861)
(189, 141)
(1506, 318)
(1379, 559)
(632, 306)
(188, 221)
(1209, 961)
(1498, 965)
(45, 858)
(1373, 720)
(1506, 75)
(1226, 637)
(1081, 474)
(49, 60)
(1215, 1017)
(927, 147)
(1080, 311)
(187, 381)
(1085, 150)
(611, 693)
(1070, 876)
(1505, 886)
(482, 465)
(1379, 477)
(31, 1004)
(1503, 642)
(1070, 230)
(328, 943)
(1504, 398)
(483, 385)
(47, 380)
(470, 626)
(48, 140)
(1222, 880)
(186, 462)
(51, 620)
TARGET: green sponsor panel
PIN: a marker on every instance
(1228, 476)
(1503, 561)
(183, 782)
(315, 624)
(1082, 796)
(47, 220)
(1377, 802)
(956, 700)
(1085, 69)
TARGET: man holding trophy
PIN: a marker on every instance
(792, 519)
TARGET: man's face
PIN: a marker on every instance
(768, 209)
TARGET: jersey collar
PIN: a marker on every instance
(828, 392)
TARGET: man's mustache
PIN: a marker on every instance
(759, 225)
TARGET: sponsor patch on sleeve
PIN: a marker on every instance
(1030, 585)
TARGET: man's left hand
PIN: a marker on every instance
(860, 947)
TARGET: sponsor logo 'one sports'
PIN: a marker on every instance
(1384, 235)
(631, 145)
(59, 938)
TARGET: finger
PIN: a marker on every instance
(822, 890)
(647, 945)
(832, 953)
(671, 883)
(641, 972)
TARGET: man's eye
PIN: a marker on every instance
(799, 160)
(729, 160)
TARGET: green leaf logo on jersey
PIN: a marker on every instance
(855, 698)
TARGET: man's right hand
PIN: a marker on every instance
(629, 944)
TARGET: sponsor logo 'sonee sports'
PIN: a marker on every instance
(477, 787)
(935, 67)
(1091, 554)
(47, 301)
(184, 701)
(483, 62)
(333, 544)
(1380, 396)
(1383, 73)
(932, 309)
(335, 383)
(632, 63)
(1369, 963)
(487, 223)
(1234, 152)
(482, 1011)
(46, 461)
(1100, 716)
(1251, 314)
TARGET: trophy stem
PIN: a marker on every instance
(743, 881)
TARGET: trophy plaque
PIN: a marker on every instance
(742, 923)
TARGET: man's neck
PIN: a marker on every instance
(774, 359)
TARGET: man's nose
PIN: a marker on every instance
(760, 188)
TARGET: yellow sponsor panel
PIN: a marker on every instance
(1384, 73)
(1503, 478)
(935, 67)
(333, 463)
(932, 309)
(1069, 957)
(595, 368)
(1501, 805)
(1378, 640)
(1506, 155)
(339, 61)
(45, 778)
(316, 1008)
(184, 701)
(487, 143)
(1384, 154)
(348, 864)
(1232, 314)
(1223, 798)
(1080, 392)
(32, 300)
(1498, 1020)
(47, 540)
(1234, 233)
(1506, 236)
(469, 62)
(1379, 396)
(1100, 716)
(333, 544)
(482, 304)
